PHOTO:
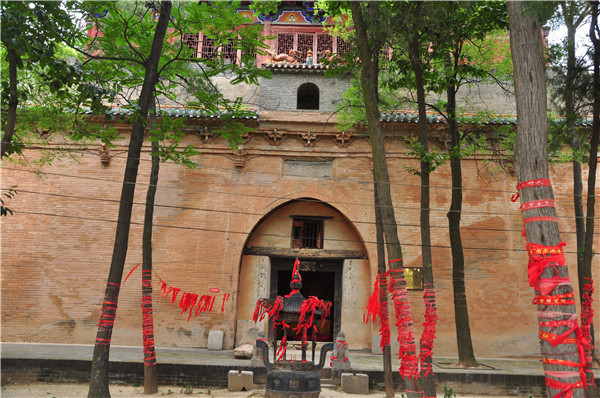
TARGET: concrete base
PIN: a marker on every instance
(355, 384)
(240, 381)
(215, 340)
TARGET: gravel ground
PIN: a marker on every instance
(57, 390)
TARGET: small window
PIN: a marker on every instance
(307, 233)
(209, 51)
(308, 96)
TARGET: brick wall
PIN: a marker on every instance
(279, 92)
(56, 249)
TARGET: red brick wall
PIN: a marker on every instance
(56, 249)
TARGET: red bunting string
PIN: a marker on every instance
(225, 298)
(188, 300)
(205, 303)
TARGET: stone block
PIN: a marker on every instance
(355, 383)
(215, 340)
(240, 380)
(243, 352)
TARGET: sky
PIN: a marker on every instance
(557, 34)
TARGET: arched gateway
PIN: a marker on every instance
(333, 264)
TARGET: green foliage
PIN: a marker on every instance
(431, 158)
(8, 194)
(187, 388)
(449, 392)
(571, 88)
(48, 70)
(126, 41)
(48, 75)
(473, 33)
(489, 58)
(57, 133)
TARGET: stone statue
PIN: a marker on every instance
(340, 358)
(292, 58)
(257, 352)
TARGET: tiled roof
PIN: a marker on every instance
(413, 117)
(287, 65)
(390, 117)
(181, 112)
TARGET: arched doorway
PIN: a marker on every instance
(334, 266)
(322, 278)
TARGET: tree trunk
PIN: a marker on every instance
(466, 354)
(428, 380)
(531, 162)
(150, 368)
(570, 119)
(591, 188)
(383, 303)
(369, 78)
(13, 101)
(99, 374)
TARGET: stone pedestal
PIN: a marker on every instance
(240, 381)
(355, 384)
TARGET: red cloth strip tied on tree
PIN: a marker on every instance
(384, 328)
(147, 322)
(109, 311)
(373, 310)
(429, 329)
(566, 388)
(587, 316)
(409, 367)
(540, 258)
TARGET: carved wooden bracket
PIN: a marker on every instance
(239, 160)
(206, 136)
(343, 140)
(246, 137)
(104, 153)
(309, 139)
(274, 137)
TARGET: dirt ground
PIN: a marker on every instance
(57, 390)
